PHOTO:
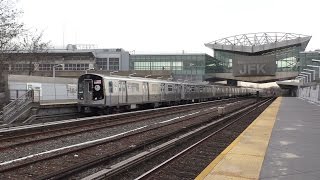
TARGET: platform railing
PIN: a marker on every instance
(17, 105)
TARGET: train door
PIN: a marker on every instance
(162, 91)
(145, 91)
(87, 90)
(176, 92)
(182, 91)
(122, 92)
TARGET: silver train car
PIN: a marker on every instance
(104, 94)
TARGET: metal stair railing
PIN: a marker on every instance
(15, 106)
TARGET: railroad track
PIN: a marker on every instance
(91, 154)
(179, 165)
(16, 138)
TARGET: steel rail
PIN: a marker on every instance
(69, 131)
(41, 159)
(122, 166)
(196, 144)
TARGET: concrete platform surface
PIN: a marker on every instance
(282, 143)
(294, 147)
(243, 158)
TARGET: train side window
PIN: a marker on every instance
(169, 87)
(192, 89)
(110, 87)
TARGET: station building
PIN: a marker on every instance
(189, 67)
(72, 62)
(255, 57)
(258, 57)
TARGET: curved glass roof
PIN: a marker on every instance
(255, 42)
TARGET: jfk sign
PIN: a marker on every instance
(253, 65)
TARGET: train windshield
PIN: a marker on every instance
(90, 87)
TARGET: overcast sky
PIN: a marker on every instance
(167, 26)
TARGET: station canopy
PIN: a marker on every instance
(259, 42)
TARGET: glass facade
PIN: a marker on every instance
(102, 64)
(183, 66)
(286, 59)
(113, 64)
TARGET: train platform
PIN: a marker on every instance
(58, 102)
(282, 143)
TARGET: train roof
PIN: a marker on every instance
(126, 78)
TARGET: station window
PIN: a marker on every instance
(20, 67)
(113, 64)
(76, 67)
(102, 63)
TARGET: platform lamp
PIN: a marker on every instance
(309, 74)
(54, 69)
(54, 79)
(313, 71)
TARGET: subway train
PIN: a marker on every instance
(105, 94)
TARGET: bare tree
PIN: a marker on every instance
(34, 48)
(16, 41)
(10, 28)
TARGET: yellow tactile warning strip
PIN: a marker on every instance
(243, 158)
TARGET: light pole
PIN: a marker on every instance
(86, 71)
(54, 79)
(54, 69)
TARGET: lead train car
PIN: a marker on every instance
(107, 93)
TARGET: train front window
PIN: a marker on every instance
(89, 86)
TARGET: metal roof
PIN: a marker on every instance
(256, 42)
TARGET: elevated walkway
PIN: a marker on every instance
(256, 79)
